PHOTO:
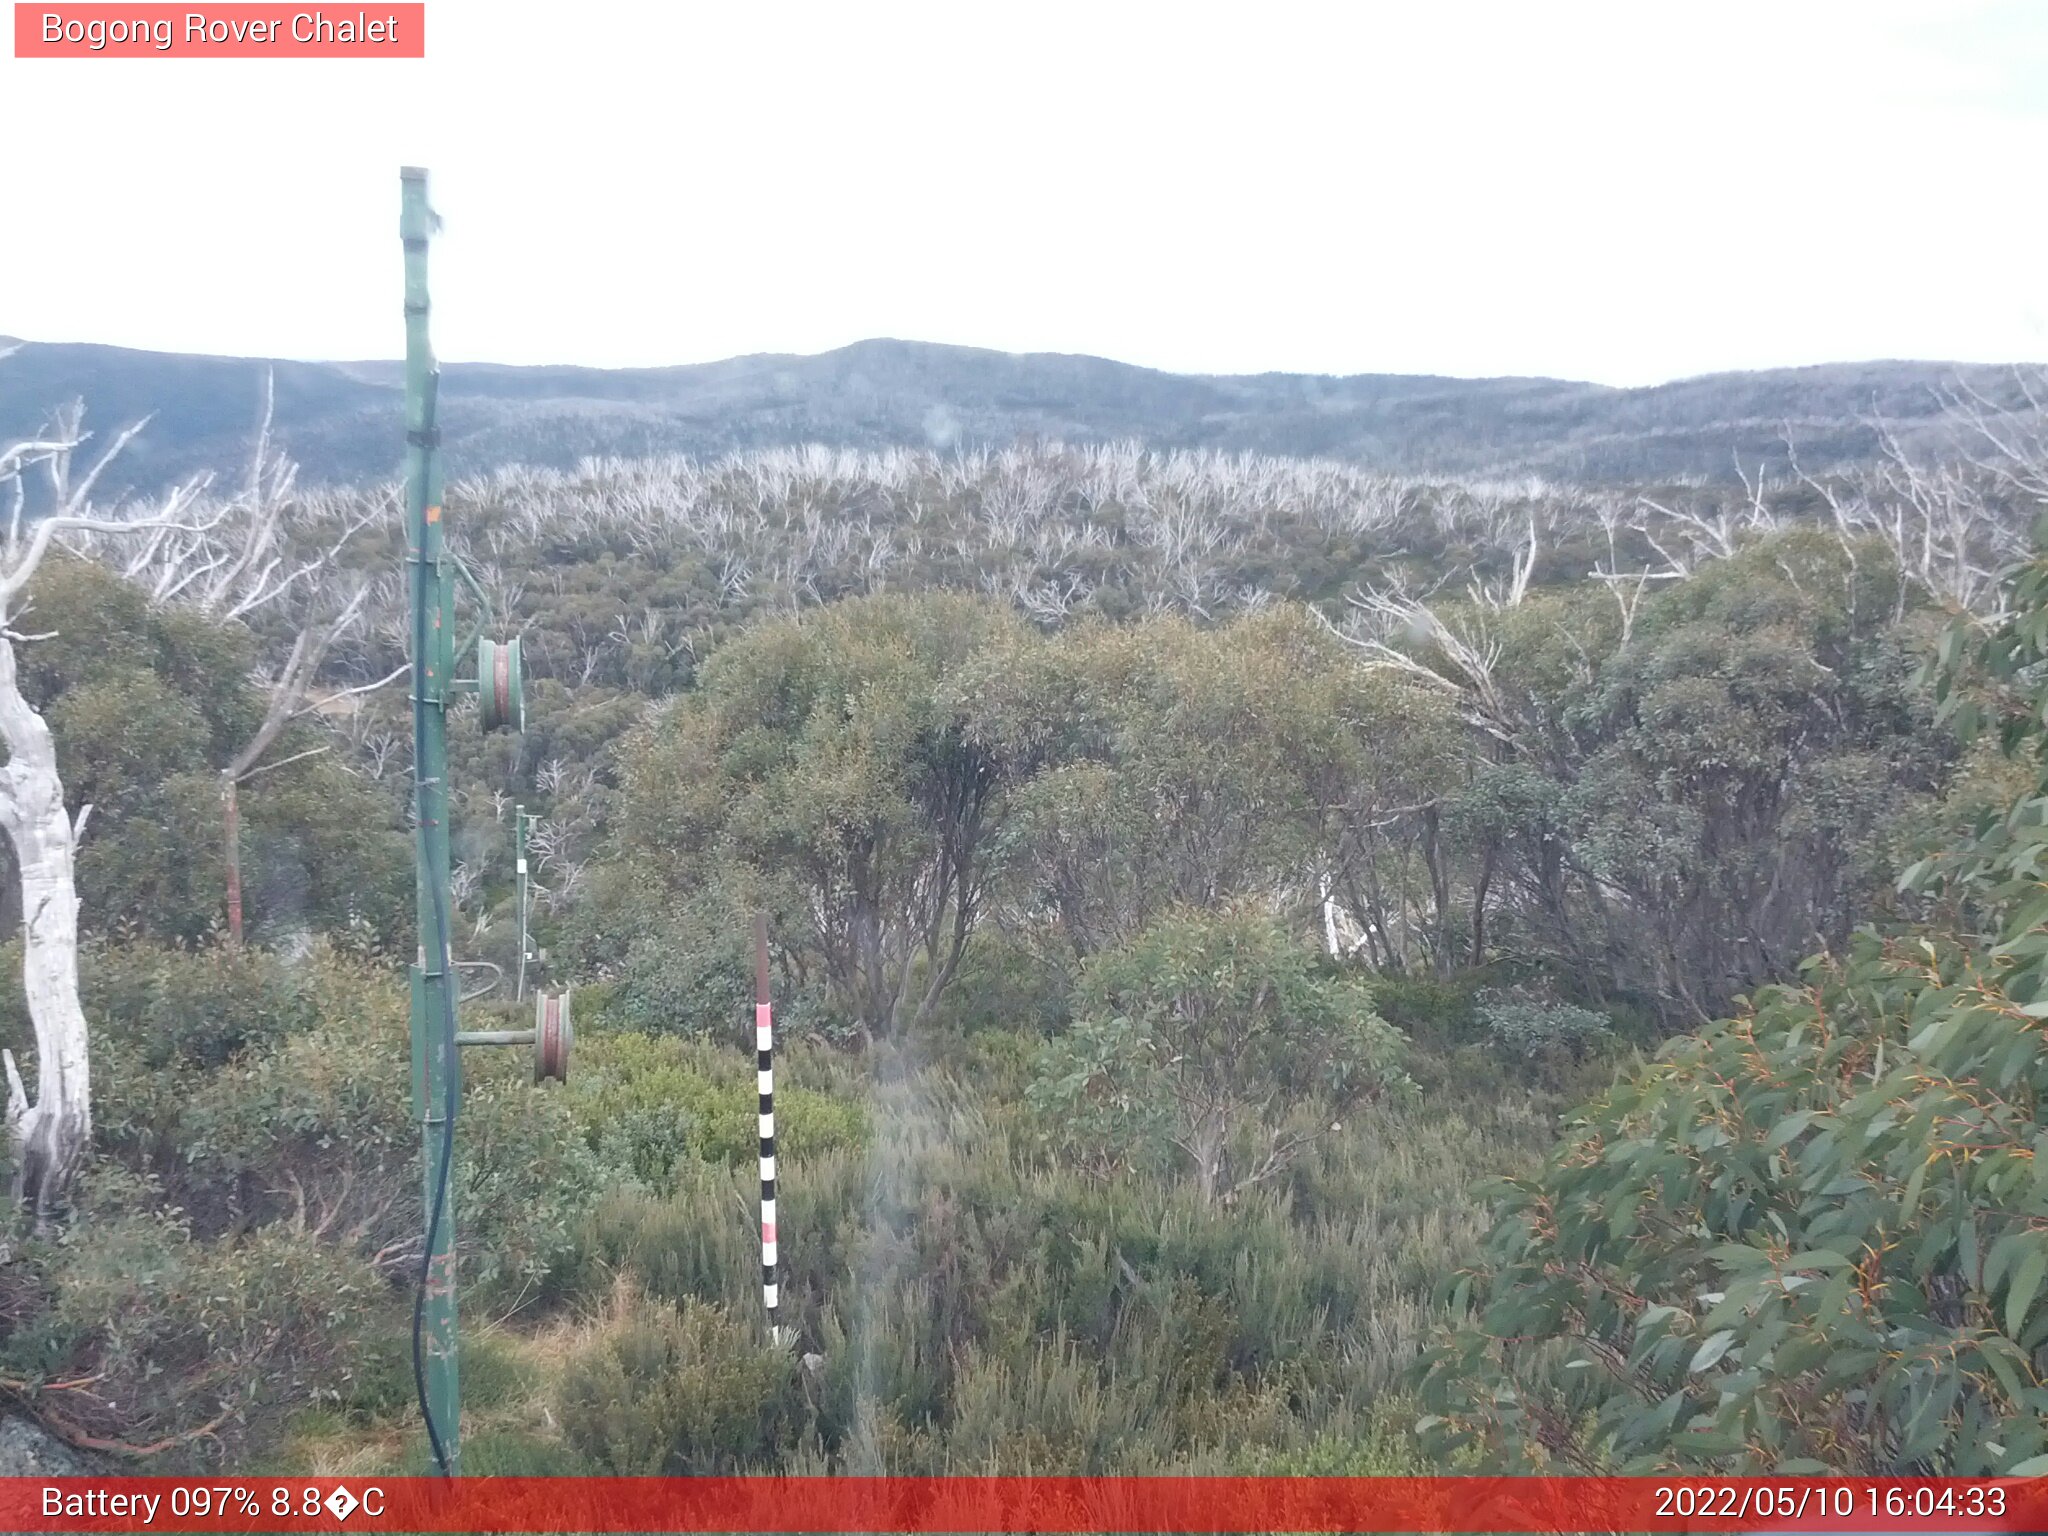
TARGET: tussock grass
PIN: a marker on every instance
(962, 1301)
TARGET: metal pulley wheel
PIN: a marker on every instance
(500, 686)
(552, 1037)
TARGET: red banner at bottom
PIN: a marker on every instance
(1024, 1504)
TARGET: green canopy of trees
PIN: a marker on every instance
(1116, 810)
(147, 703)
(891, 773)
(1213, 1037)
(1813, 1237)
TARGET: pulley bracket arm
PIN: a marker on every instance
(551, 1037)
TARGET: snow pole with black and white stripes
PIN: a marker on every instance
(764, 1066)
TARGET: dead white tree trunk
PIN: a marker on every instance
(51, 1131)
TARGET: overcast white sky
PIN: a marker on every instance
(1625, 193)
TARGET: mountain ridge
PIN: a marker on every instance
(338, 417)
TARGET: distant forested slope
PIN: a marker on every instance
(336, 418)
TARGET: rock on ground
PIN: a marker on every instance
(29, 1450)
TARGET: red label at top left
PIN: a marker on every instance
(234, 31)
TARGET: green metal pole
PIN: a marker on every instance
(434, 1052)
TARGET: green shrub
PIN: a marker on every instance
(680, 963)
(512, 1453)
(662, 1390)
(697, 1239)
(1814, 1237)
(1213, 1038)
(1436, 1012)
(1383, 1445)
(183, 1334)
(310, 1127)
(1537, 1029)
(492, 1372)
(644, 1103)
(1055, 1415)
(975, 1301)
(314, 1131)
(1007, 986)
(196, 1008)
(695, 976)
(381, 1385)
(1551, 1039)
(527, 1179)
(1813, 1232)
